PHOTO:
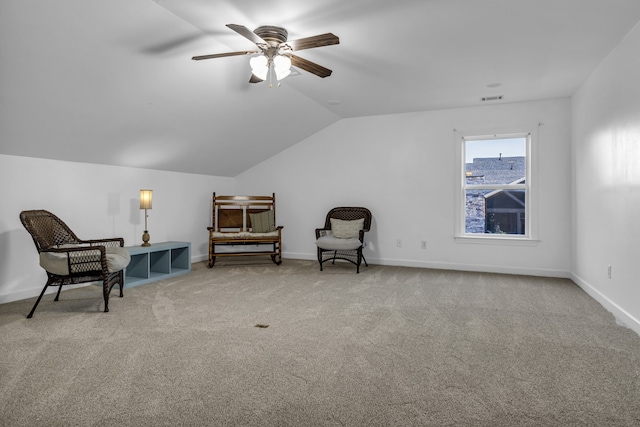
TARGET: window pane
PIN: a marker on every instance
(475, 211)
(495, 161)
(495, 211)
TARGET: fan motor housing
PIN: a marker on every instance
(272, 34)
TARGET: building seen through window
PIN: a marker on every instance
(495, 185)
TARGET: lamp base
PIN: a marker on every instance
(145, 239)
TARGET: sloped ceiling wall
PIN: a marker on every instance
(112, 81)
(80, 83)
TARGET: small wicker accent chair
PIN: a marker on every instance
(342, 236)
(69, 260)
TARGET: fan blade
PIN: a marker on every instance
(255, 79)
(309, 66)
(221, 55)
(314, 41)
(247, 33)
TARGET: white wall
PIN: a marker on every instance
(402, 167)
(96, 201)
(606, 146)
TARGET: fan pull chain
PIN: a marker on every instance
(271, 72)
(270, 76)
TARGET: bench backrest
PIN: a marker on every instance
(231, 213)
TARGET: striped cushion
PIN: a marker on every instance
(263, 222)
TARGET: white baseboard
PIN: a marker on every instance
(450, 266)
(622, 317)
(199, 258)
(34, 292)
(527, 271)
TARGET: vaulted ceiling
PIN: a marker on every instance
(112, 81)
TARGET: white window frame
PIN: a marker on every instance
(530, 186)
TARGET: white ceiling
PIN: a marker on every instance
(112, 81)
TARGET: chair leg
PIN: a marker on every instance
(30, 315)
(108, 283)
(212, 259)
(320, 258)
(121, 278)
(105, 293)
(360, 259)
(212, 254)
(276, 257)
(58, 293)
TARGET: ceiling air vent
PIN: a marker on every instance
(491, 98)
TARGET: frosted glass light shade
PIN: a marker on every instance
(282, 66)
(259, 66)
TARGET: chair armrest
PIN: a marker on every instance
(97, 249)
(320, 232)
(81, 258)
(114, 241)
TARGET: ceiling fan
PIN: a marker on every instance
(276, 52)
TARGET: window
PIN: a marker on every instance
(495, 180)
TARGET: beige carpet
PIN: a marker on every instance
(391, 346)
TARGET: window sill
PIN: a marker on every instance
(492, 239)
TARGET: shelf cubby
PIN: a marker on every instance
(157, 262)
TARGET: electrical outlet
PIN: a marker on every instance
(423, 244)
(609, 271)
(399, 243)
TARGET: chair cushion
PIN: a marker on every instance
(242, 234)
(333, 243)
(263, 222)
(346, 229)
(56, 262)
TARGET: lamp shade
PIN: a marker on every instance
(146, 197)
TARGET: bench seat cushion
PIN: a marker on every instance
(333, 243)
(56, 262)
(243, 235)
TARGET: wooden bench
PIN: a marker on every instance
(232, 226)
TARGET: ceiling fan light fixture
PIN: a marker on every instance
(282, 74)
(275, 51)
(258, 62)
(282, 66)
(260, 66)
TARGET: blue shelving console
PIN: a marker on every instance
(156, 262)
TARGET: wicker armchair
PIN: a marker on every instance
(342, 236)
(69, 260)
